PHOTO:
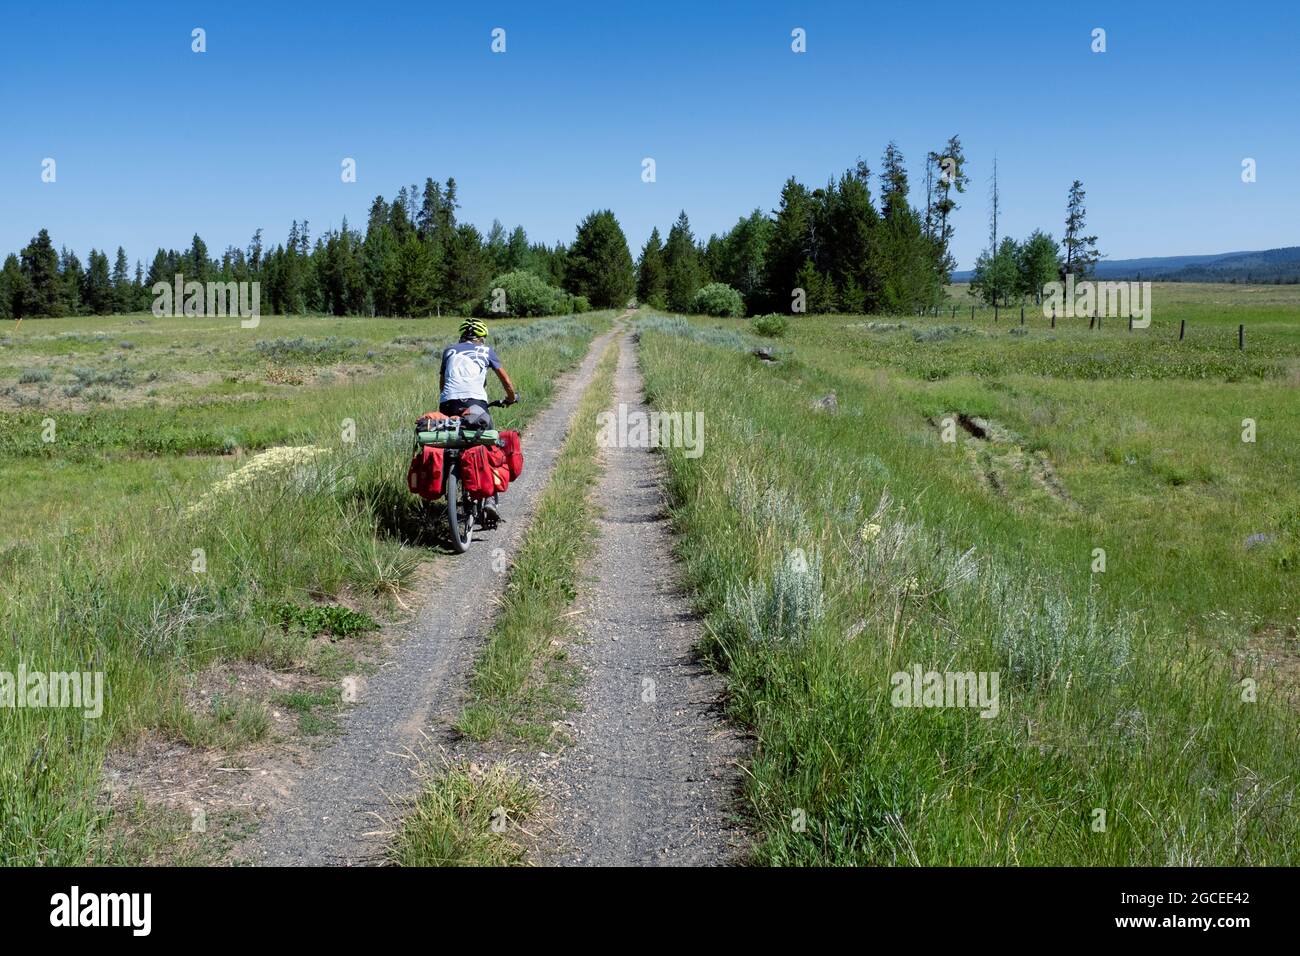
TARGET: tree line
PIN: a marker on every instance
(414, 258)
(834, 248)
(1009, 271)
(828, 249)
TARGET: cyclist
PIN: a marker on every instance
(462, 380)
(462, 383)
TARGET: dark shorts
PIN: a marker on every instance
(454, 406)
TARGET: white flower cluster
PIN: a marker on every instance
(291, 462)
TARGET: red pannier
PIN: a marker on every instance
(424, 477)
(514, 454)
(500, 470)
(476, 472)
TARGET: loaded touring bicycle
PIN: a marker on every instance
(467, 467)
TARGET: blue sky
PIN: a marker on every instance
(154, 142)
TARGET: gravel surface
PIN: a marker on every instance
(340, 811)
(651, 776)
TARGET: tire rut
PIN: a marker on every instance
(651, 776)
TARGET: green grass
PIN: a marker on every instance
(466, 817)
(98, 562)
(145, 834)
(334, 619)
(316, 710)
(228, 724)
(1120, 691)
(522, 678)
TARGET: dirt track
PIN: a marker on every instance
(340, 811)
(651, 775)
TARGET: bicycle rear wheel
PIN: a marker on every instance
(460, 518)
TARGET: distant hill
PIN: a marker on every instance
(1267, 266)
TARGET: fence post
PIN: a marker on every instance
(972, 313)
(1241, 337)
(1022, 315)
(1182, 329)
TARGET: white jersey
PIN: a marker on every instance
(464, 371)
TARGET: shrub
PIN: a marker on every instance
(709, 334)
(787, 608)
(580, 304)
(30, 376)
(522, 294)
(336, 619)
(305, 350)
(719, 299)
(772, 325)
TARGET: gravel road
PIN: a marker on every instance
(651, 776)
(340, 811)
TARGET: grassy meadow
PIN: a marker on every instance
(182, 491)
(1148, 699)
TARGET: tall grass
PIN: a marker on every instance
(151, 589)
(831, 551)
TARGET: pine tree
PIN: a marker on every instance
(380, 255)
(909, 278)
(949, 167)
(854, 227)
(996, 278)
(139, 300)
(994, 201)
(468, 270)
(198, 266)
(517, 250)
(12, 286)
(400, 215)
(416, 293)
(681, 265)
(497, 250)
(788, 248)
(255, 255)
(71, 279)
(651, 281)
(1037, 263)
(430, 210)
(40, 287)
(744, 257)
(599, 265)
(819, 291)
(97, 286)
(1081, 255)
(123, 299)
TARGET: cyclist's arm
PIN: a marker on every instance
(508, 385)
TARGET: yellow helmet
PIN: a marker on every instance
(475, 327)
